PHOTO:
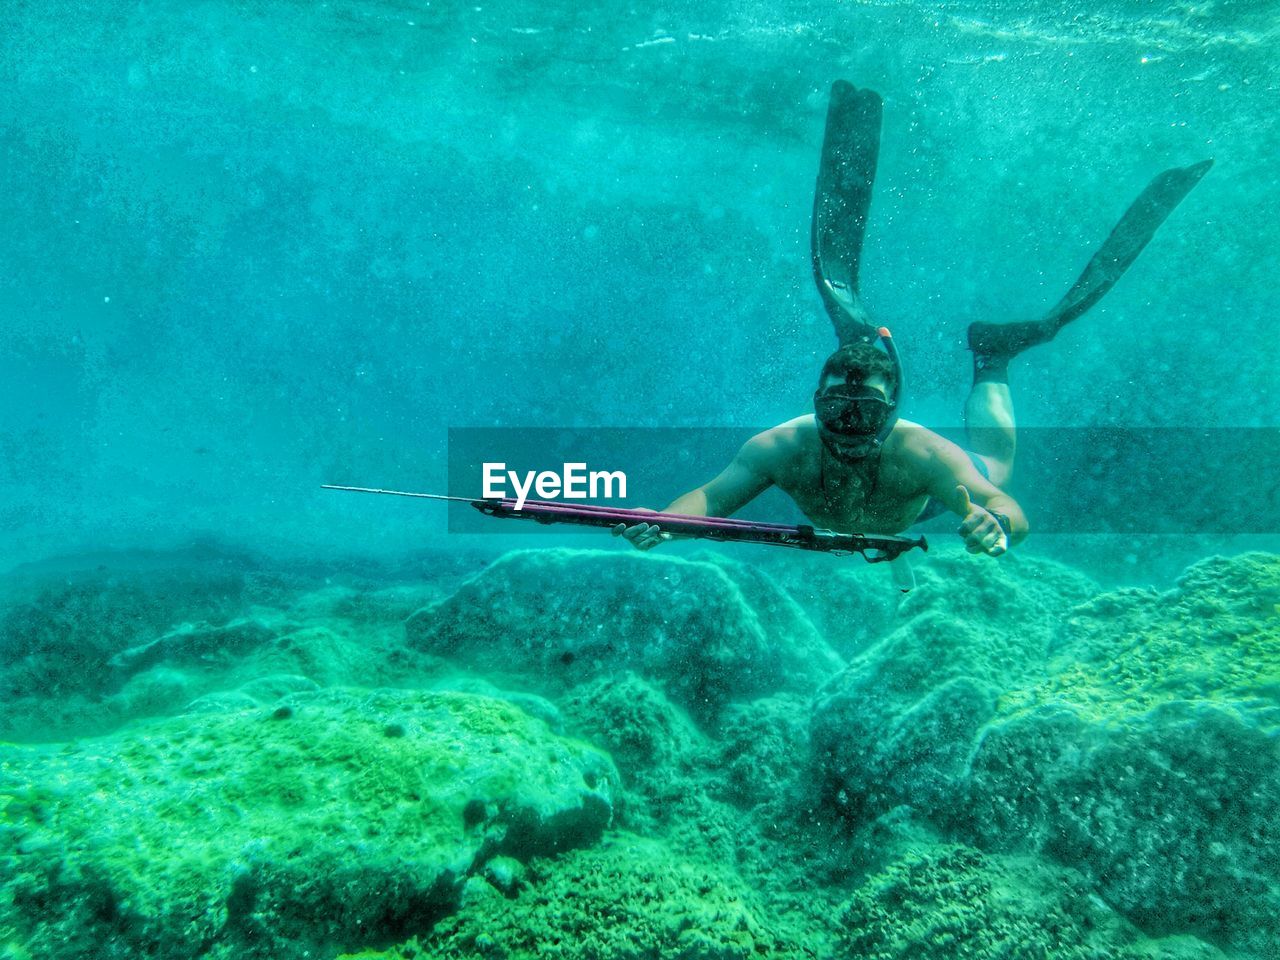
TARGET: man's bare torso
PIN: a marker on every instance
(883, 495)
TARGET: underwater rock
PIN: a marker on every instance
(660, 752)
(626, 899)
(222, 701)
(1139, 743)
(852, 603)
(530, 703)
(366, 606)
(897, 727)
(505, 874)
(198, 643)
(644, 731)
(259, 692)
(1149, 758)
(763, 750)
(334, 653)
(1172, 815)
(62, 622)
(945, 901)
(155, 692)
(271, 833)
(561, 617)
(276, 686)
(163, 676)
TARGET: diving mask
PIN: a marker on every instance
(856, 411)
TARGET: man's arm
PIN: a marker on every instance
(746, 477)
(954, 480)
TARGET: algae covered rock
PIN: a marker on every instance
(88, 643)
(764, 750)
(62, 622)
(530, 703)
(368, 605)
(899, 724)
(1172, 816)
(852, 603)
(1149, 757)
(644, 731)
(627, 899)
(661, 754)
(337, 817)
(199, 643)
(562, 617)
(1137, 740)
(1215, 636)
(945, 901)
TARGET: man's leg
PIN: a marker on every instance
(989, 409)
(990, 427)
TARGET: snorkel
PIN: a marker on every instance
(846, 174)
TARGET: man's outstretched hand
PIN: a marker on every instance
(643, 536)
(980, 530)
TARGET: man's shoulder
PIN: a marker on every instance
(918, 452)
(783, 441)
(913, 440)
(795, 432)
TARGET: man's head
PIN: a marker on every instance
(858, 363)
(855, 400)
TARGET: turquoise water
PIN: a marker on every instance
(253, 248)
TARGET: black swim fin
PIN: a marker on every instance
(1108, 264)
(846, 174)
(1127, 240)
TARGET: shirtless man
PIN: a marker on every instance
(852, 466)
(831, 464)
